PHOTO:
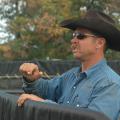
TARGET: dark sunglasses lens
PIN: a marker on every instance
(79, 35)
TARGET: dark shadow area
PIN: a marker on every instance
(42, 111)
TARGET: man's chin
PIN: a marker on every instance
(76, 57)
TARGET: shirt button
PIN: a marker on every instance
(74, 87)
(68, 102)
(78, 105)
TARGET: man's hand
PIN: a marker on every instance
(25, 97)
(30, 71)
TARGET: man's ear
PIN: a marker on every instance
(100, 42)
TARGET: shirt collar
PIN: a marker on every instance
(78, 73)
(95, 67)
(89, 72)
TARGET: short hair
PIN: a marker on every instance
(100, 35)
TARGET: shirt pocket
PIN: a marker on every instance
(81, 101)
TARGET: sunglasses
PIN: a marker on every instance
(81, 36)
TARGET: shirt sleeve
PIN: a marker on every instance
(47, 89)
(106, 99)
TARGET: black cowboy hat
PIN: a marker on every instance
(98, 22)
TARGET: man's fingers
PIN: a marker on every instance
(41, 73)
(28, 68)
(22, 99)
(20, 103)
(25, 97)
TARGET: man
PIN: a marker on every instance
(94, 85)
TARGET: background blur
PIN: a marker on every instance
(29, 29)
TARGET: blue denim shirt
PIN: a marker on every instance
(98, 89)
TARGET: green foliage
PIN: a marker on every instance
(112, 55)
(35, 26)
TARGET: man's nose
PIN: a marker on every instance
(74, 41)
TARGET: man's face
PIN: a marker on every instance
(83, 46)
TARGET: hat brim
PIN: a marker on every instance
(107, 30)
